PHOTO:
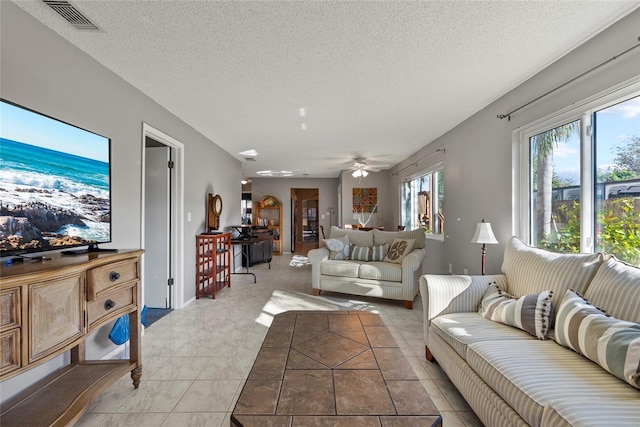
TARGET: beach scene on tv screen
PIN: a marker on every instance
(54, 183)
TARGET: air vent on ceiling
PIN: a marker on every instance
(71, 14)
(250, 159)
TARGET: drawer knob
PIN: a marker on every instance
(109, 304)
(114, 275)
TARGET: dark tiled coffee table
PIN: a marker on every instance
(332, 368)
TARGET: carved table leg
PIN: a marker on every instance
(136, 374)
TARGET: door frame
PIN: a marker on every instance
(176, 209)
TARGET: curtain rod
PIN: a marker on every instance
(418, 161)
(508, 115)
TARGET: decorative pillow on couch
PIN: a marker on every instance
(611, 343)
(378, 252)
(338, 247)
(399, 249)
(531, 313)
(360, 253)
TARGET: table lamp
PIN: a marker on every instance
(485, 236)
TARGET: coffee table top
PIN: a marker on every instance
(332, 368)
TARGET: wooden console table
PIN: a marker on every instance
(50, 307)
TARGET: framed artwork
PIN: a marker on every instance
(364, 199)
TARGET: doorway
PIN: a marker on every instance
(157, 244)
(162, 222)
(305, 211)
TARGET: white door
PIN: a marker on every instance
(157, 227)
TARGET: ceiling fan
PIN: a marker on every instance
(360, 168)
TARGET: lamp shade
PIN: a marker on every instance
(484, 234)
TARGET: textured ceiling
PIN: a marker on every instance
(375, 79)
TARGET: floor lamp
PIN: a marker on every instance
(485, 236)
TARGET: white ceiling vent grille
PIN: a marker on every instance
(71, 15)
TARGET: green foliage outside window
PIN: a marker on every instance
(618, 234)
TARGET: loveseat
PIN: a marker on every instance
(575, 367)
(385, 264)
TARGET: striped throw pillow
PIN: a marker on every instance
(360, 253)
(378, 252)
(611, 343)
(531, 313)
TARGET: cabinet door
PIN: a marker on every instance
(55, 314)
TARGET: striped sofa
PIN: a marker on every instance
(511, 378)
(397, 281)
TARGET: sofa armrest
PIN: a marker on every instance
(316, 256)
(411, 270)
(443, 294)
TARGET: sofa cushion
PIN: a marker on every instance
(340, 268)
(377, 270)
(360, 253)
(357, 237)
(378, 252)
(338, 247)
(611, 343)
(625, 279)
(530, 374)
(532, 270)
(399, 249)
(602, 411)
(461, 329)
(531, 313)
(380, 237)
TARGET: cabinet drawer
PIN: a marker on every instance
(9, 309)
(102, 279)
(10, 346)
(111, 305)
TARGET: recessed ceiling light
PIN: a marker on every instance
(251, 152)
(275, 173)
(303, 112)
(303, 126)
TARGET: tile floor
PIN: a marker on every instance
(195, 360)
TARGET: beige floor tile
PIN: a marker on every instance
(453, 395)
(93, 420)
(226, 368)
(437, 397)
(151, 419)
(155, 396)
(208, 396)
(470, 419)
(451, 419)
(197, 419)
(180, 368)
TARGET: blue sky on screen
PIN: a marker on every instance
(31, 128)
(614, 125)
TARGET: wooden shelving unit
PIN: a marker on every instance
(268, 213)
(213, 263)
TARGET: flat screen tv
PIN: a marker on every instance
(55, 184)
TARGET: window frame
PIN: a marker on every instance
(432, 170)
(521, 160)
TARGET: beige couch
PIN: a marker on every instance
(397, 281)
(511, 378)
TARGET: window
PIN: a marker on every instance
(580, 173)
(422, 199)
